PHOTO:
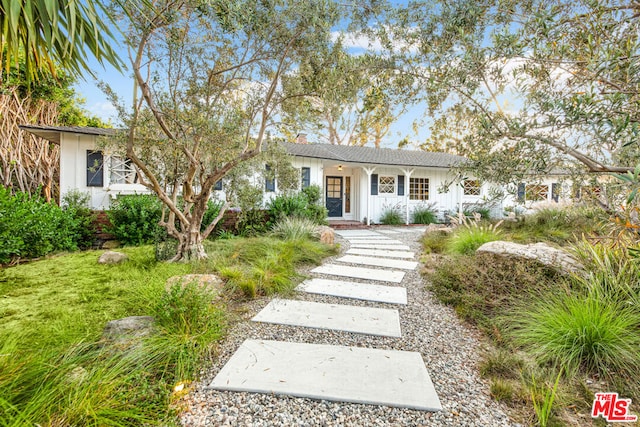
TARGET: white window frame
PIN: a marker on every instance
(472, 191)
(419, 196)
(122, 171)
(389, 186)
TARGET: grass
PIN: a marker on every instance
(263, 265)
(424, 215)
(561, 226)
(293, 228)
(55, 371)
(435, 242)
(588, 333)
(391, 217)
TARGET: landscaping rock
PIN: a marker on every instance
(327, 235)
(206, 282)
(128, 330)
(111, 244)
(541, 252)
(431, 228)
(112, 257)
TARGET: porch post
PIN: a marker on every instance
(407, 187)
(368, 171)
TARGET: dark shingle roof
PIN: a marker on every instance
(52, 133)
(375, 156)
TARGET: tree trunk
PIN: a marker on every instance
(190, 247)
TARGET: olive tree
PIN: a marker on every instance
(207, 89)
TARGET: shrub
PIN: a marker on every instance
(292, 228)
(465, 240)
(435, 242)
(305, 204)
(252, 222)
(76, 204)
(424, 215)
(134, 219)
(592, 333)
(31, 227)
(391, 216)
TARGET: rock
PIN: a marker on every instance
(438, 227)
(327, 235)
(206, 282)
(110, 244)
(112, 257)
(76, 375)
(541, 252)
(128, 330)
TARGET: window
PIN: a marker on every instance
(306, 177)
(218, 185)
(95, 162)
(269, 180)
(419, 189)
(536, 192)
(122, 171)
(387, 185)
(471, 187)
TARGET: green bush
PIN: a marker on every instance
(252, 222)
(391, 216)
(213, 209)
(134, 219)
(424, 215)
(589, 333)
(76, 204)
(305, 204)
(31, 227)
(465, 240)
(292, 228)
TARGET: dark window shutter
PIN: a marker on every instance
(555, 192)
(95, 163)
(400, 185)
(374, 184)
(269, 183)
(306, 177)
(218, 186)
(521, 194)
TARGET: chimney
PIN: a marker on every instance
(301, 138)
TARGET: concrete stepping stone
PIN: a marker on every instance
(319, 371)
(381, 246)
(381, 253)
(389, 231)
(376, 237)
(375, 242)
(380, 262)
(349, 318)
(354, 290)
(351, 233)
(360, 272)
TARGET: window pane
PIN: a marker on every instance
(94, 168)
(472, 187)
(419, 189)
(387, 185)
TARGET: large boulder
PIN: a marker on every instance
(541, 252)
(112, 257)
(326, 234)
(128, 331)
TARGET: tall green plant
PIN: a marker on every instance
(134, 219)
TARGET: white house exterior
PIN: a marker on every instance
(358, 183)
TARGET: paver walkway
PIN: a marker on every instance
(340, 373)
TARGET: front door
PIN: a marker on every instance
(334, 196)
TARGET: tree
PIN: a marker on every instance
(521, 87)
(208, 87)
(46, 34)
(27, 163)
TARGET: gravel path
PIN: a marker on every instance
(449, 349)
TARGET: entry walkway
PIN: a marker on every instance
(332, 372)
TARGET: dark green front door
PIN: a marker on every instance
(334, 196)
